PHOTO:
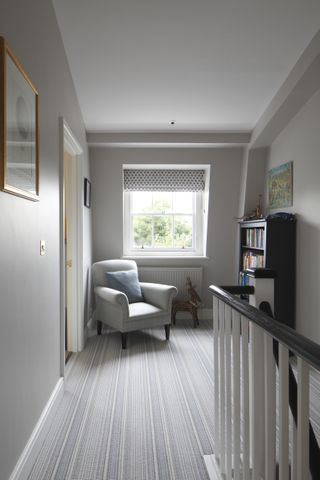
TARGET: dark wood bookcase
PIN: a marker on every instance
(271, 243)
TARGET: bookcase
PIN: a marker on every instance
(271, 243)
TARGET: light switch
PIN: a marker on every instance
(42, 247)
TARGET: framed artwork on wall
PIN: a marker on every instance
(87, 193)
(280, 186)
(19, 128)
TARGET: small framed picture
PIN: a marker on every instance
(87, 193)
(19, 144)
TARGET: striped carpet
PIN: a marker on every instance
(143, 413)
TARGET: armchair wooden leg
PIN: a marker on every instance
(99, 327)
(167, 330)
(124, 340)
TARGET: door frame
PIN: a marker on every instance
(70, 144)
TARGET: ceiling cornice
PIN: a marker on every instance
(200, 140)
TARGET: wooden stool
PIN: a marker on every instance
(184, 306)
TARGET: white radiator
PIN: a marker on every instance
(176, 276)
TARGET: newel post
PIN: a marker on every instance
(262, 280)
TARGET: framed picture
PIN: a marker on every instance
(19, 132)
(87, 193)
(280, 186)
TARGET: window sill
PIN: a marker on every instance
(166, 257)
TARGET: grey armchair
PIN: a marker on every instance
(114, 309)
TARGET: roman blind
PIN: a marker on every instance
(163, 180)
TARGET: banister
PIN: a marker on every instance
(294, 341)
(238, 289)
(314, 453)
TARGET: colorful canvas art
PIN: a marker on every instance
(280, 186)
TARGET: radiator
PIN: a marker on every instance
(173, 276)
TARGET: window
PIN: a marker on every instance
(162, 220)
(164, 211)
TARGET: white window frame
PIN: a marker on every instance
(200, 220)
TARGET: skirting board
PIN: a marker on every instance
(213, 468)
(24, 465)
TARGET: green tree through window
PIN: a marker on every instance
(162, 220)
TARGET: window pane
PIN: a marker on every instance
(183, 202)
(141, 202)
(183, 231)
(162, 202)
(162, 231)
(142, 231)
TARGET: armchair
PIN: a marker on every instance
(113, 307)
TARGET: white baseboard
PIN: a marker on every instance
(24, 465)
(212, 467)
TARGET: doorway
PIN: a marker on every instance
(70, 245)
(68, 219)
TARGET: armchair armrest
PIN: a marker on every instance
(158, 294)
(114, 297)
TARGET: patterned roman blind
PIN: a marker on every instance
(166, 180)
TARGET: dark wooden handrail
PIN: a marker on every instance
(314, 450)
(294, 341)
(239, 289)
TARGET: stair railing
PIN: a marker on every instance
(246, 396)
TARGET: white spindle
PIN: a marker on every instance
(216, 375)
(270, 408)
(293, 449)
(228, 391)
(257, 396)
(303, 420)
(245, 403)
(236, 393)
(222, 388)
(283, 412)
(245, 398)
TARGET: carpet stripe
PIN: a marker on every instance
(144, 413)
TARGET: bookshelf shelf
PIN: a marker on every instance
(247, 247)
(271, 243)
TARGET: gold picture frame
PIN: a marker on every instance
(19, 128)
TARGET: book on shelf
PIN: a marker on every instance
(243, 278)
(252, 260)
(255, 237)
(271, 243)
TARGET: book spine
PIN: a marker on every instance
(255, 237)
(252, 260)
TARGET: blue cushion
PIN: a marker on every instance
(127, 282)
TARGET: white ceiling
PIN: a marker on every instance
(209, 65)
